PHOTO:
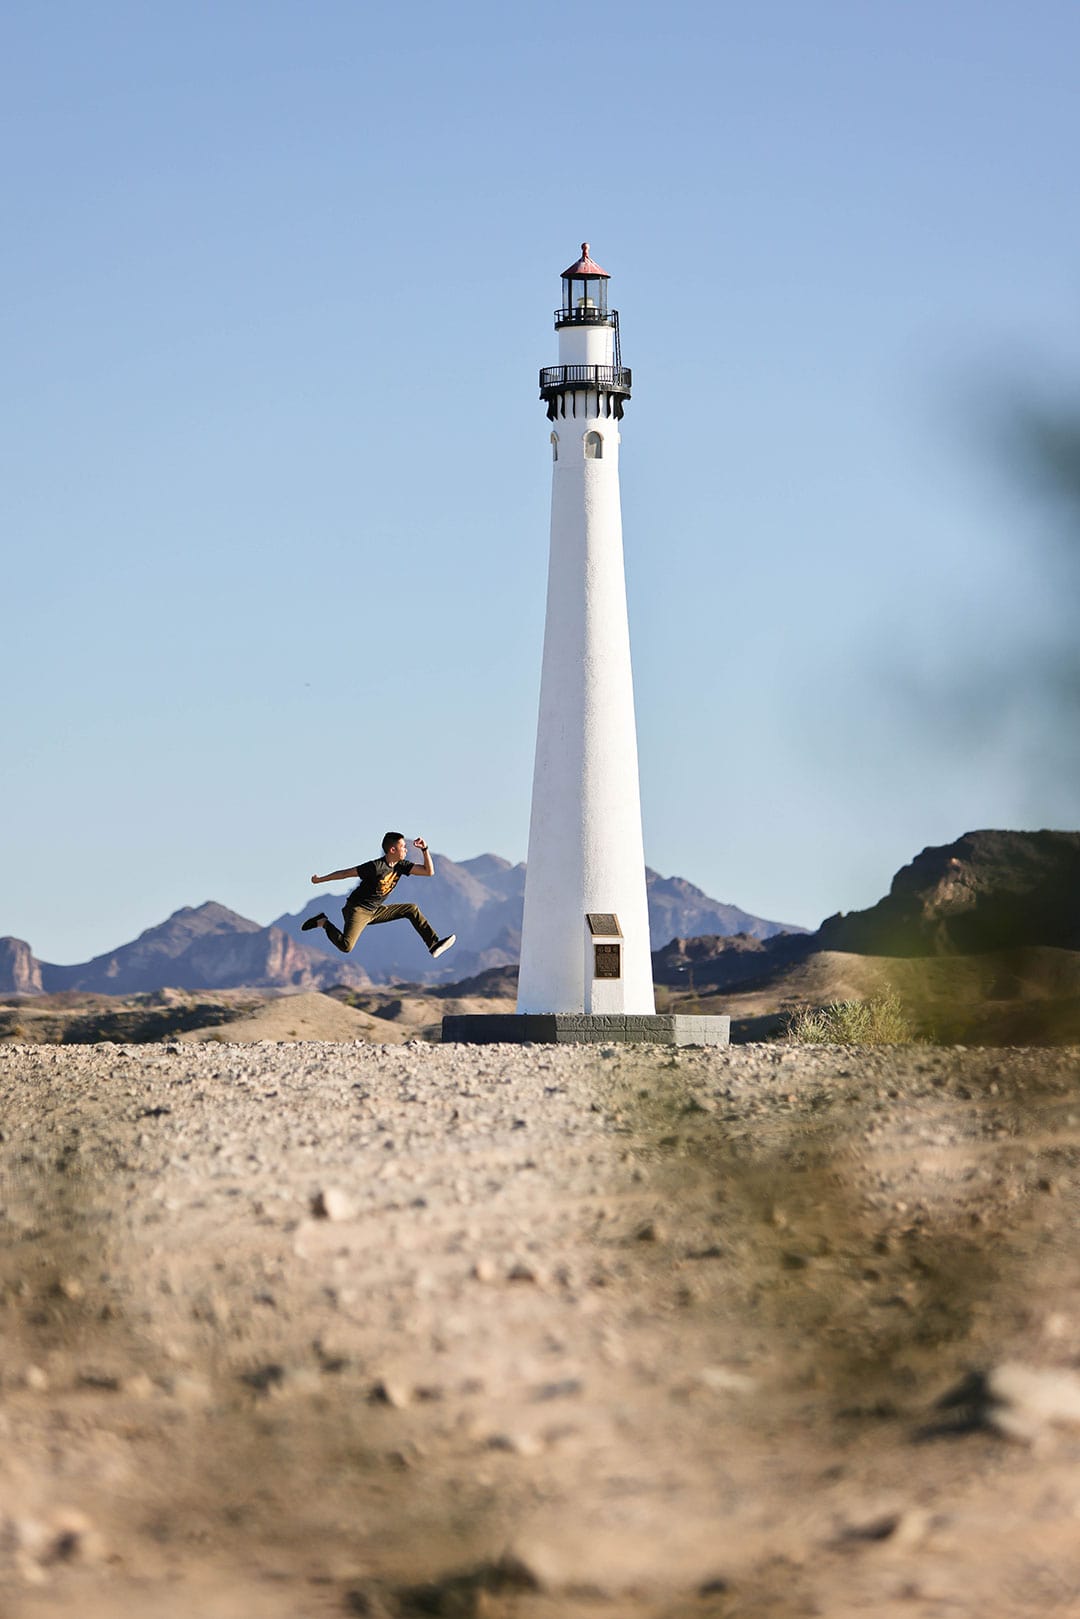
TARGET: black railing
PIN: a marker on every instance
(591, 316)
(614, 378)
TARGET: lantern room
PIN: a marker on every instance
(584, 298)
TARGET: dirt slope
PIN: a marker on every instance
(670, 1329)
(308, 1016)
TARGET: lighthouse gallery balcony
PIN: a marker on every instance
(555, 379)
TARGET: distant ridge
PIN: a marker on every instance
(987, 891)
(211, 947)
(201, 947)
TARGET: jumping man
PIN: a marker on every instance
(378, 878)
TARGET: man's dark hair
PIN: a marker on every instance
(390, 839)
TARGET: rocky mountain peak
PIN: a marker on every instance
(987, 890)
(20, 971)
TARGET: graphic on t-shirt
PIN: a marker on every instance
(377, 879)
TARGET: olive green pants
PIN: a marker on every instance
(355, 919)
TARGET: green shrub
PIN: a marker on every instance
(880, 1021)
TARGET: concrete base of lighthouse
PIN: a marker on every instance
(580, 1028)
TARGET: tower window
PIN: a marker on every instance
(554, 446)
(594, 447)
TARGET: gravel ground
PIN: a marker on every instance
(327, 1329)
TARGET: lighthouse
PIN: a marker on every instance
(585, 936)
(586, 962)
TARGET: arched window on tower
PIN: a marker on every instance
(554, 446)
(594, 447)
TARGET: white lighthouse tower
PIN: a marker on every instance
(586, 963)
(585, 941)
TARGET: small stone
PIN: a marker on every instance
(333, 1356)
(30, 1536)
(1022, 1402)
(517, 1444)
(264, 1378)
(104, 1382)
(1027, 1400)
(484, 1271)
(187, 1389)
(521, 1272)
(881, 1527)
(648, 1232)
(331, 1203)
(903, 1530)
(725, 1380)
(72, 1539)
(139, 1386)
(36, 1378)
(66, 1536)
(563, 1388)
(389, 1392)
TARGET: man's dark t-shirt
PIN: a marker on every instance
(378, 879)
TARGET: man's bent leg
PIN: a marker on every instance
(355, 920)
(408, 913)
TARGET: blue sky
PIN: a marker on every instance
(277, 280)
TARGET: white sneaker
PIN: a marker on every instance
(443, 944)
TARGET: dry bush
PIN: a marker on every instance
(880, 1021)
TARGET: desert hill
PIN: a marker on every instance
(385, 1018)
(307, 1016)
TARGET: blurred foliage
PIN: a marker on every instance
(880, 1021)
(1049, 454)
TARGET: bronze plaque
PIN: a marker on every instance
(604, 922)
(608, 960)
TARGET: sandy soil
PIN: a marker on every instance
(314, 1329)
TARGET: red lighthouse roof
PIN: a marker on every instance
(585, 266)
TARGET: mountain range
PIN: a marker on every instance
(987, 893)
(211, 947)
